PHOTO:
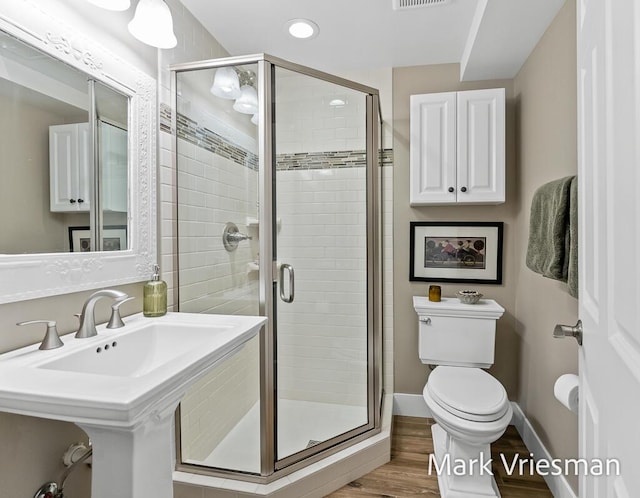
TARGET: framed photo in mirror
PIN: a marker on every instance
(114, 238)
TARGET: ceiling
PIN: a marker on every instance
(490, 38)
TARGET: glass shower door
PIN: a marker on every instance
(217, 194)
(320, 250)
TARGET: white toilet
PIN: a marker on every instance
(469, 405)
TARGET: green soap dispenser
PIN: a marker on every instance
(155, 295)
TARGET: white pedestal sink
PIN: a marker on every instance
(122, 387)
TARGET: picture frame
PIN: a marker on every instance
(456, 252)
(114, 238)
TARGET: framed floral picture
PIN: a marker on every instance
(452, 251)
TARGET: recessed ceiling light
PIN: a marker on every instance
(337, 102)
(302, 28)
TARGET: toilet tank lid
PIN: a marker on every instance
(451, 306)
(467, 390)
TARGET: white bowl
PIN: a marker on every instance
(469, 296)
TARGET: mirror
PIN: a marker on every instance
(77, 156)
(54, 200)
(111, 118)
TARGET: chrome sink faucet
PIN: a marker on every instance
(87, 317)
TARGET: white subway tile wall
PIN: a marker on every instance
(212, 191)
(308, 122)
(322, 335)
(215, 404)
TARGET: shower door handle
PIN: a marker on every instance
(289, 268)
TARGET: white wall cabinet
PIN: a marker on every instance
(458, 148)
(69, 167)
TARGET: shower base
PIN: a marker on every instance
(316, 480)
(299, 424)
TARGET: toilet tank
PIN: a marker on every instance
(452, 333)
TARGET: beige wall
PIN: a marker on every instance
(410, 374)
(545, 92)
(541, 146)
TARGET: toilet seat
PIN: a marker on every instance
(468, 393)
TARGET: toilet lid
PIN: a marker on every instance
(469, 393)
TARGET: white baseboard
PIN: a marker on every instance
(413, 405)
(558, 485)
(410, 405)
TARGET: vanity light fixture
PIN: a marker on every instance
(238, 84)
(247, 103)
(152, 24)
(118, 5)
(302, 28)
(226, 83)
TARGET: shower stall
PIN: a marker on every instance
(277, 184)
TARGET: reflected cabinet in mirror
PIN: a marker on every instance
(77, 158)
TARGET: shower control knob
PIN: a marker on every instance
(463, 189)
(451, 189)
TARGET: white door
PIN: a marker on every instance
(609, 179)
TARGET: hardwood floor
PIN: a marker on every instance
(406, 475)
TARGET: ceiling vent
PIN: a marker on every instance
(412, 4)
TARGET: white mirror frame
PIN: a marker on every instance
(31, 276)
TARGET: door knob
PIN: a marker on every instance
(561, 331)
(451, 189)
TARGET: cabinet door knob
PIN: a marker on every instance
(463, 189)
(80, 201)
(72, 201)
(451, 189)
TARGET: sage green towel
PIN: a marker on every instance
(552, 249)
(572, 271)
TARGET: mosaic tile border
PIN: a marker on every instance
(328, 160)
(189, 130)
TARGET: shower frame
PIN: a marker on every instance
(271, 467)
